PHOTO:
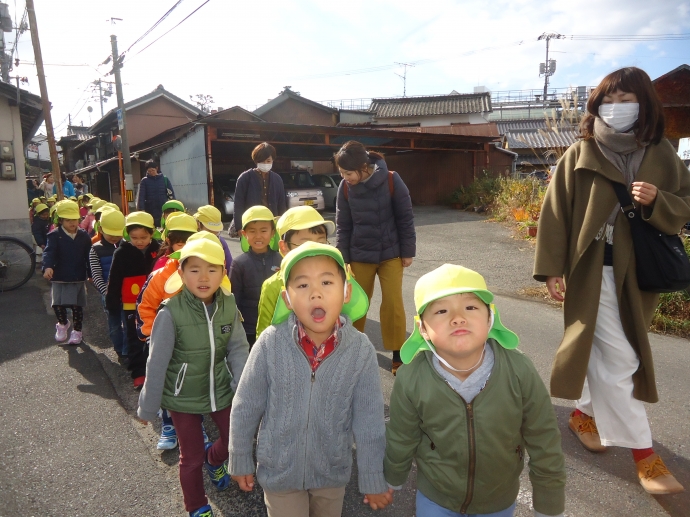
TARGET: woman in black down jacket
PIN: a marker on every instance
(376, 235)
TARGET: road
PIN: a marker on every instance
(71, 445)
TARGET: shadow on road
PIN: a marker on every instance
(81, 359)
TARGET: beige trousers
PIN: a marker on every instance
(392, 311)
(318, 502)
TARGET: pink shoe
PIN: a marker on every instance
(61, 332)
(74, 338)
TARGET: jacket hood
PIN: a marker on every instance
(379, 177)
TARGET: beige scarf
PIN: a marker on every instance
(623, 151)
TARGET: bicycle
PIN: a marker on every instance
(17, 263)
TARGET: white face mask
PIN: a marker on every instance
(621, 116)
(264, 167)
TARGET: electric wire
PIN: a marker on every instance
(154, 25)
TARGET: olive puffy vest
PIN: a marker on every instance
(198, 377)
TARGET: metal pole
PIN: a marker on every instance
(44, 97)
(546, 70)
(100, 96)
(127, 162)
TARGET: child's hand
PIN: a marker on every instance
(48, 273)
(407, 262)
(379, 501)
(246, 482)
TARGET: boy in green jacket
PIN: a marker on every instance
(198, 353)
(466, 405)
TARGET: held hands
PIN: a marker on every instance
(48, 273)
(246, 482)
(556, 287)
(407, 262)
(379, 501)
(644, 193)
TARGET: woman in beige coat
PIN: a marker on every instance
(584, 242)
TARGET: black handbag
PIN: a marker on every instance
(662, 263)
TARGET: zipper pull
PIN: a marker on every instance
(469, 411)
(313, 375)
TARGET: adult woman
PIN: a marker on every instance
(67, 186)
(584, 242)
(48, 185)
(376, 235)
(79, 186)
(259, 185)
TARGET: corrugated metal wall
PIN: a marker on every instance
(184, 164)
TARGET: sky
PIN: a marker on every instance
(244, 52)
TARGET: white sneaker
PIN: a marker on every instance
(61, 331)
(74, 338)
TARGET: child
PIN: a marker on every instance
(65, 263)
(51, 201)
(298, 225)
(312, 381)
(83, 201)
(40, 225)
(198, 353)
(170, 207)
(132, 263)
(209, 219)
(258, 262)
(32, 209)
(111, 227)
(466, 405)
(179, 227)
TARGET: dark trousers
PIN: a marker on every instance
(137, 352)
(192, 455)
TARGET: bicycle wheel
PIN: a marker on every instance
(17, 263)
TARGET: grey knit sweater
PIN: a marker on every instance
(309, 423)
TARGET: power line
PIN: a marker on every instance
(154, 25)
(629, 37)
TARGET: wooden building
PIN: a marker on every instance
(673, 89)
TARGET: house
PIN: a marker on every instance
(75, 135)
(291, 108)
(673, 89)
(38, 154)
(21, 114)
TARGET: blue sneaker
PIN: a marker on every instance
(204, 511)
(168, 439)
(218, 474)
(207, 440)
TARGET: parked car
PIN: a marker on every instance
(329, 187)
(300, 189)
(225, 196)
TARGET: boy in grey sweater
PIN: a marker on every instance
(312, 383)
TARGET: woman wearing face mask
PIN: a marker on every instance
(585, 255)
(260, 185)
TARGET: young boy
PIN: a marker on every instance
(198, 353)
(208, 218)
(466, 405)
(312, 381)
(132, 263)
(258, 262)
(40, 225)
(110, 227)
(295, 227)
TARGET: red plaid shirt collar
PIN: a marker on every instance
(317, 353)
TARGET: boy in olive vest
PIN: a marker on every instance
(198, 352)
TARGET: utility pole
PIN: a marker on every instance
(44, 97)
(404, 76)
(100, 95)
(126, 162)
(548, 68)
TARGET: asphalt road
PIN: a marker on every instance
(70, 444)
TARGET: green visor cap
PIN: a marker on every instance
(355, 309)
(448, 280)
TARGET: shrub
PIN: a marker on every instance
(518, 200)
(481, 192)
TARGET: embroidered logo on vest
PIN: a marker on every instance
(226, 329)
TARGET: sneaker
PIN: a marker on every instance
(218, 474)
(75, 337)
(204, 511)
(61, 331)
(655, 477)
(168, 439)
(139, 382)
(584, 427)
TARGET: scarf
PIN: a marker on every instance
(623, 151)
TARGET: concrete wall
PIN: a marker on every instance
(184, 164)
(14, 208)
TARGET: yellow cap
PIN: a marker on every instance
(73, 198)
(35, 201)
(179, 221)
(108, 206)
(52, 198)
(68, 209)
(96, 204)
(141, 219)
(207, 247)
(40, 208)
(256, 213)
(112, 222)
(209, 216)
(302, 218)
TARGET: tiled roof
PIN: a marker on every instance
(534, 133)
(457, 129)
(439, 105)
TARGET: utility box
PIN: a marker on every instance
(6, 151)
(8, 171)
